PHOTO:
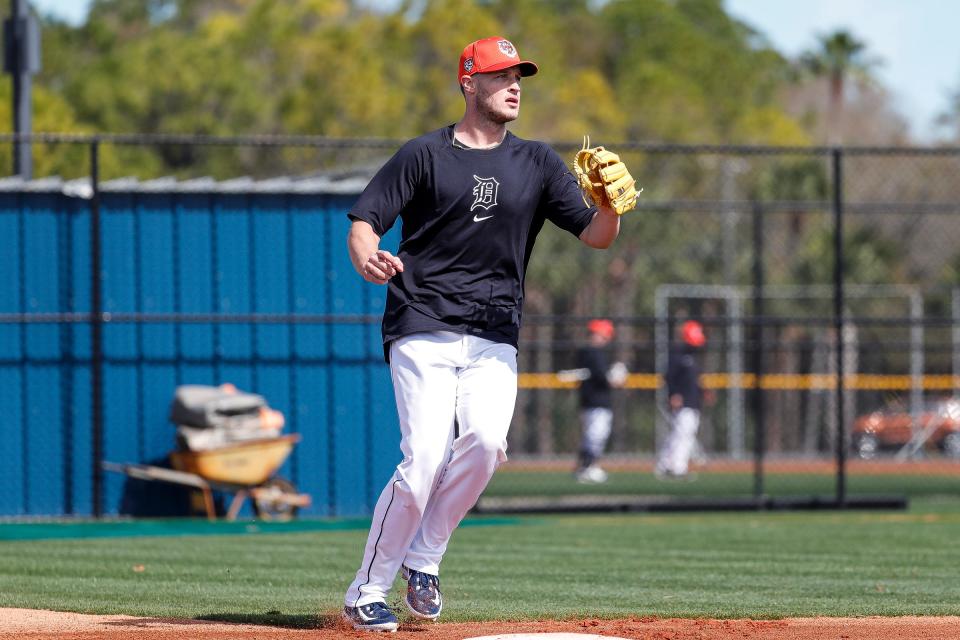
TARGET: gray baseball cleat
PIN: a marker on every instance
(375, 616)
(423, 594)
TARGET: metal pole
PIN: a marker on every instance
(955, 335)
(735, 431)
(96, 330)
(22, 60)
(758, 311)
(661, 340)
(838, 321)
(916, 360)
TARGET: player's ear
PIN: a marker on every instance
(468, 84)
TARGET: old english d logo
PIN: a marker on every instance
(485, 193)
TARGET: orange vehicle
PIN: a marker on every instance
(935, 427)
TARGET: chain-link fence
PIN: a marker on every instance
(827, 381)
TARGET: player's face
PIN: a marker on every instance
(498, 95)
(599, 339)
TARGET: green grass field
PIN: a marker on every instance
(756, 564)
(517, 482)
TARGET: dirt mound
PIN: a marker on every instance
(29, 624)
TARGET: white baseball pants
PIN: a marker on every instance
(675, 455)
(455, 398)
(595, 425)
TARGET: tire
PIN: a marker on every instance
(866, 446)
(267, 507)
(951, 445)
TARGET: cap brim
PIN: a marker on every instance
(527, 68)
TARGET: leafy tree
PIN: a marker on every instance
(52, 113)
(869, 258)
(654, 70)
(800, 184)
(691, 72)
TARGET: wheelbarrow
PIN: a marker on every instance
(244, 469)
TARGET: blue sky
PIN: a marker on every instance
(72, 10)
(916, 40)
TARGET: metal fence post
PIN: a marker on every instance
(955, 337)
(735, 404)
(759, 428)
(96, 330)
(838, 322)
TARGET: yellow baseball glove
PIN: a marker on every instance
(604, 178)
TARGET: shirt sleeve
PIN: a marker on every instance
(391, 189)
(562, 202)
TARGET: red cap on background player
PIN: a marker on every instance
(692, 333)
(492, 54)
(601, 327)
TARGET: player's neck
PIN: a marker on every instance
(479, 133)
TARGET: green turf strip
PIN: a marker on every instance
(509, 483)
(760, 565)
(184, 527)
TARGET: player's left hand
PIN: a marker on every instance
(604, 178)
(617, 375)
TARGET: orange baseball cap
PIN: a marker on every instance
(693, 333)
(602, 327)
(492, 54)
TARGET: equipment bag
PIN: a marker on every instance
(223, 407)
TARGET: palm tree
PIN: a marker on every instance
(951, 117)
(839, 57)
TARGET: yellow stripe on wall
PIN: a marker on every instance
(773, 381)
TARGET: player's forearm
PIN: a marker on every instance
(362, 242)
(602, 230)
(374, 264)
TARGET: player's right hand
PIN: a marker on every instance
(381, 266)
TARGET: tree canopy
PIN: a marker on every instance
(675, 70)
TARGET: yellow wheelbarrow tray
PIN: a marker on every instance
(250, 462)
(244, 469)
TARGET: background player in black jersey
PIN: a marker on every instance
(686, 397)
(600, 375)
(472, 198)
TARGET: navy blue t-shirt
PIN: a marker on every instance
(595, 391)
(470, 218)
(683, 376)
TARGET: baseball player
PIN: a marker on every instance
(686, 398)
(472, 198)
(596, 401)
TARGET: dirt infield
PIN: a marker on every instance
(30, 624)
